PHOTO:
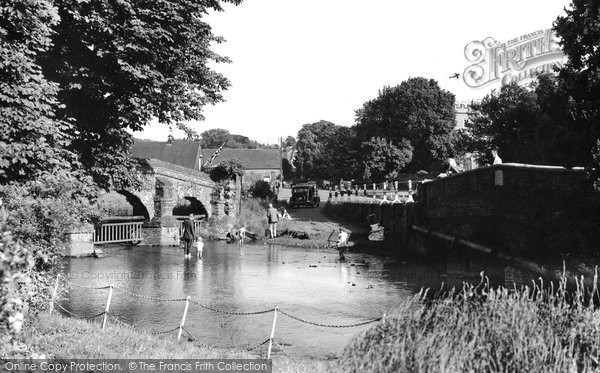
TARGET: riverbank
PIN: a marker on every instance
(484, 329)
(58, 337)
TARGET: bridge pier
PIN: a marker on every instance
(80, 242)
(163, 228)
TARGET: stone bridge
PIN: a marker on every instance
(162, 186)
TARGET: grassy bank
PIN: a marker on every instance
(479, 329)
(66, 338)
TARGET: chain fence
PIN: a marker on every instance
(181, 328)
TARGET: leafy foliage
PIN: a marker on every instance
(418, 111)
(262, 190)
(121, 63)
(290, 141)
(227, 170)
(15, 263)
(32, 140)
(325, 150)
(43, 210)
(579, 31)
(383, 160)
(214, 138)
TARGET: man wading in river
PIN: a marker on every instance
(189, 235)
(273, 217)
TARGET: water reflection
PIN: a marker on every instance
(311, 284)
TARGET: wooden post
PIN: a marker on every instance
(272, 332)
(107, 306)
(54, 294)
(409, 185)
(187, 304)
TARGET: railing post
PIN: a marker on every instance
(409, 185)
(110, 290)
(52, 300)
(272, 332)
(187, 304)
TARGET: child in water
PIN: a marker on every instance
(199, 244)
(342, 243)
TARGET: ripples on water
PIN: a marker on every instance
(258, 277)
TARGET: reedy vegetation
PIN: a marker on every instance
(483, 329)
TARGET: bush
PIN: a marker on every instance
(262, 189)
(15, 264)
(38, 214)
(254, 215)
(41, 212)
(227, 170)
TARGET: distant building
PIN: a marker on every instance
(182, 153)
(259, 164)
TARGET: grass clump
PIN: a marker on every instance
(58, 337)
(480, 329)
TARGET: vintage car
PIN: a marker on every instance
(304, 195)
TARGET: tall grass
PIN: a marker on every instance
(254, 216)
(542, 328)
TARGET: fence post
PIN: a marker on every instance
(272, 332)
(187, 304)
(110, 289)
(54, 294)
(409, 185)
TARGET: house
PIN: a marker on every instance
(181, 153)
(259, 164)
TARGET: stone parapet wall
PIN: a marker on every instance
(520, 209)
(523, 210)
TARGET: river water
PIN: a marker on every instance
(309, 283)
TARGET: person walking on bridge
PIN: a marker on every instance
(273, 217)
(189, 234)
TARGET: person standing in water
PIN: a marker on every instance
(273, 217)
(342, 243)
(189, 234)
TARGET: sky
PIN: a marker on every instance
(298, 62)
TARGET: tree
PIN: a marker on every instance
(383, 160)
(214, 138)
(579, 32)
(527, 125)
(417, 110)
(32, 140)
(290, 141)
(325, 151)
(227, 170)
(505, 120)
(122, 63)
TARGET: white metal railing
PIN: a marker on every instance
(197, 224)
(118, 232)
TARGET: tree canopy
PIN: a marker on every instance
(120, 64)
(32, 140)
(417, 111)
(579, 32)
(325, 150)
(383, 160)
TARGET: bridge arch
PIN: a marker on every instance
(123, 203)
(187, 205)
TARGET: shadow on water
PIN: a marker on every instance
(311, 284)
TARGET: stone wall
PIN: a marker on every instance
(523, 210)
(519, 209)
